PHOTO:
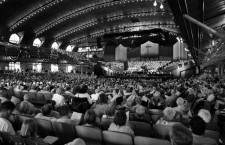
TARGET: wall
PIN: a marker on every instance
(46, 67)
(3, 65)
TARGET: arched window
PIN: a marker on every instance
(14, 38)
(69, 68)
(54, 68)
(37, 42)
(14, 66)
(37, 67)
(56, 45)
(69, 48)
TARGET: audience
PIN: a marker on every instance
(101, 105)
(180, 135)
(6, 109)
(192, 103)
(119, 123)
(58, 97)
(29, 133)
(64, 115)
(198, 126)
(90, 119)
(46, 113)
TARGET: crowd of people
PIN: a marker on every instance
(151, 66)
(188, 107)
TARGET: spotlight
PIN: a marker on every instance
(155, 3)
(161, 6)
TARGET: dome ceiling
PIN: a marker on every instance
(82, 21)
(72, 21)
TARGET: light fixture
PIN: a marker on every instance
(161, 6)
(155, 3)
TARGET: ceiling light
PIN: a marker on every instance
(161, 6)
(155, 3)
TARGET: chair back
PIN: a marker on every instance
(116, 138)
(139, 140)
(105, 123)
(92, 136)
(44, 127)
(142, 128)
(65, 132)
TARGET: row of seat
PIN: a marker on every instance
(143, 132)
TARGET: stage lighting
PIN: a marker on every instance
(161, 6)
(155, 3)
(38, 42)
(16, 38)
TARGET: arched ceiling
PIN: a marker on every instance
(82, 21)
(71, 21)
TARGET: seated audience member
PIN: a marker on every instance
(77, 141)
(118, 103)
(45, 91)
(157, 100)
(33, 89)
(205, 115)
(170, 116)
(183, 107)
(76, 90)
(141, 115)
(64, 115)
(26, 107)
(6, 109)
(2, 97)
(133, 99)
(83, 93)
(16, 101)
(69, 92)
(95, 96)
(46, 113)
(180, 135)
(29, 133)
(53, 112)
(90, 119)
(101, 105)
(58, 98)
(198, 127)
(119, 123)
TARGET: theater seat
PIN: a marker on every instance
(142, 128)
(92, 136)
(65, 132)
(18, 94)
(155, 114)
(44, 127)
(40, 97)
(48, 96)
(212, 134)
(105, 123)
(116, 138)
(138, 140)
(32, 96)
(162, 131)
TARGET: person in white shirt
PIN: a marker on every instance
(5, 112)
(94, 97)
(58, 98)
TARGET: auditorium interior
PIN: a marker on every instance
(112, 72)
